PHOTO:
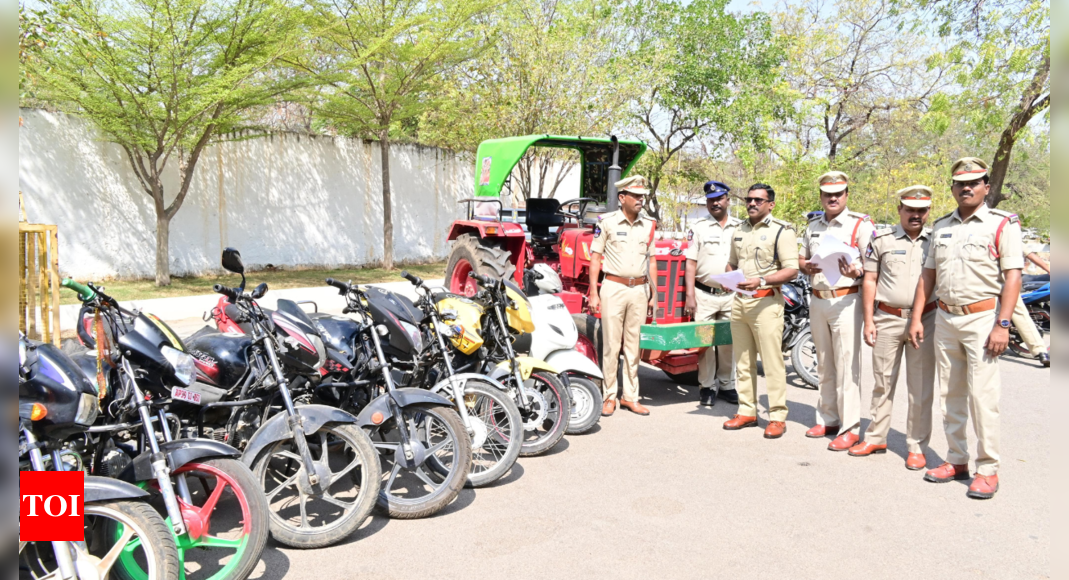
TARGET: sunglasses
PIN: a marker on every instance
(755, 200)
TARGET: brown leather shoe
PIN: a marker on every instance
(608, 408)
(634, 406)
(916, 461)
(739, 421)
(866, 448)
(843, 442)
(775, 429)
(983, 487)
(947, 472)
(822, 431)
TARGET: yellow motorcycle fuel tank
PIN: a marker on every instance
(468, 315)
(518, 318)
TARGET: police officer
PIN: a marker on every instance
(1026, 327)
(835, 313)
(766, 250)
(892, 268)
(623, 248)
(708, 247)
(974, 268)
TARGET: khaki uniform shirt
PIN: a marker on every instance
(968, 264)
(843, 227)
(709, 244)
(898, 260)
(626, 247)
(754, 247)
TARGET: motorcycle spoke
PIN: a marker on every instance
(289, 455)
(438, 446)
(335, 501)
(387, 446)
(346, 469)
(425, 478)
(209, 506)
(217, 542)
(393, 476)
(323, 446)
(304, 510)
(113, 554)
(283, 485)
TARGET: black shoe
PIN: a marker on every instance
(708, 397)
(731, 396)
(1044, 359)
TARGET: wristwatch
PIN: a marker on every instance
(1004, 323)
(761, 279)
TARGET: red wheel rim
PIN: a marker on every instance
(460, 282)
(586, 348)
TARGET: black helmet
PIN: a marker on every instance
(792, 299)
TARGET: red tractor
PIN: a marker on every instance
(559, 236)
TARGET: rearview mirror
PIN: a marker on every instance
(259, 291)
(232, 261)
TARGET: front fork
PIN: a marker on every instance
(457, 387)
(525, 401)
(62, 550)
(395, 409)
(293, 419)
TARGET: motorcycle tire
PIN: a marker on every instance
(158, 552)
(586, 405)
(808, 373)
(498, 439)
(547, 418)
(279, 467)
(447, 485)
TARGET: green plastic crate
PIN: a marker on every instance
(684, 335)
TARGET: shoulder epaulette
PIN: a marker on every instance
(883, 232)
(816, 217)
(859, 215)
(1005, 214)
(943, 218)
(783, 223)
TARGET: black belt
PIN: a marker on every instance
(710, 289)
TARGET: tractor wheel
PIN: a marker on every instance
(471, 254)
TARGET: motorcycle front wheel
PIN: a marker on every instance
(417, 488)
(306, 516)
(497, 433)
(586, 405)
(547, 414)
(804, 359)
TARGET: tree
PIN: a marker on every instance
(557, 67)
(712, 75)
(999, 55)
(380, 62)
(163, 78)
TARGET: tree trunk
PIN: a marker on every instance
(1032, 103)
(387, 203)
(999, 167)
(163, 263)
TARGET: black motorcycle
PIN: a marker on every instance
(797, 335)
(124, 535)
(423, 443)
(316, 467)
(212, 500)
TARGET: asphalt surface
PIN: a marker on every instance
(672, 495)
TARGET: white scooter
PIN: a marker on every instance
(553, 340)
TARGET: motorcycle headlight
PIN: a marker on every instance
(88, 407)
(414, 334)
(185, 370)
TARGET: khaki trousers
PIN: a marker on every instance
(836, 325)
(623, 312)
(757, 328)
(892, 338)
(716, 365)
(1026, 327)
(969, 383)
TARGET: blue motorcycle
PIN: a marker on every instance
(1035, 293)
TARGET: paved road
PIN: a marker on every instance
(672, 495)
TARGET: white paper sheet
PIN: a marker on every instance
(827, 255)
(731, 281)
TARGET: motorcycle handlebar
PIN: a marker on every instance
(84, 292)
(337, 284)
(482, 280)
(228, 292)
(415, 280)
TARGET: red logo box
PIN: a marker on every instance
(51, 506)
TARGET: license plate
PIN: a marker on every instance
(180, 394)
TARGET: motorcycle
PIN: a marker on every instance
(422, 441)
(1035, 293)
(58, 403)
(490, 322)
(797, 335)
(553, 340)
(316, 467)
(142, 370)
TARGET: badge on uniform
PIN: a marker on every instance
(868, 253)
(763, 238)
(690, 235)
(950, 235)
(597, 231)
(621, 234)
(902, 252)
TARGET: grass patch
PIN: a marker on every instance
(277, 279)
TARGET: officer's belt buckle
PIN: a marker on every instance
(631, 282)
(955, 310)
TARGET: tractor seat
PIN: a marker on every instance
(542, 214)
